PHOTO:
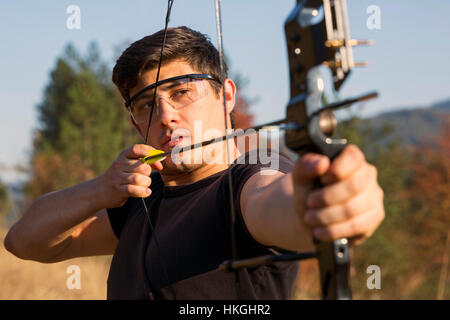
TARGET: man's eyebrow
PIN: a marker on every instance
(171, 84)
(144, 96)
(163, 87)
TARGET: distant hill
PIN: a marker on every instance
(412, 126)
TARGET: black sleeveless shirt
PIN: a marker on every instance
(192, 226)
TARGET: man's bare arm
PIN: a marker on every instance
(268, 211)
(62, 225)
(285, 211)
(73, 222)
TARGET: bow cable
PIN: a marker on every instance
(152, 229)
(230, 179)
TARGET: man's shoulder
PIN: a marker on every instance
(263, 159)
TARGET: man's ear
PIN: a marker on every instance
(136, 126)
(230, 94)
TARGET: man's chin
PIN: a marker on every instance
(171, 169)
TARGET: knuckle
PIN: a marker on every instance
(373, 170)
(356, 152)
(353, 185)
(321, 219)
(314, 199)
(135, 148)
(321, 199)
(134, 178)
(349, 210)
(336, 173)
(353, 147)
(115, 185)
(115, 181)
(147, 170)
(140, 179)
(146, 181)
(115, 165)
(317, 218)
(129, 189)
(354, 226)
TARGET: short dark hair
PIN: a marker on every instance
(181, 43)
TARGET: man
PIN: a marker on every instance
(186, 196)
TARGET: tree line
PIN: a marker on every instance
(83, 126)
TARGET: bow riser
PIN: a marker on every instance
(309, 30)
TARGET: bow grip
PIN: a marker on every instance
(334, 259)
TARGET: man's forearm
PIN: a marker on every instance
(274, 220)
(46, 227)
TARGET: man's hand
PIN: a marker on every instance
(350, 205)
(128, 176)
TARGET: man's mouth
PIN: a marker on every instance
(175, 139)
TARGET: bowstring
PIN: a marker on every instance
(230, 180)
(152, 229)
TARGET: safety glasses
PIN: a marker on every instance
(178, 92)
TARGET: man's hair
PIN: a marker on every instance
(181, 43)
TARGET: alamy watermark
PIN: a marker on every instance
(73, 21)
(74, 280)
(374, 19)
(374, 280)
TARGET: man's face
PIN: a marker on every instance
(198, 121)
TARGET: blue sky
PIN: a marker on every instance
(409, 65)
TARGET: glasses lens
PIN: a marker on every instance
(177, 93)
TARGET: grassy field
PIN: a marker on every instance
(25, 280)
(28, 280)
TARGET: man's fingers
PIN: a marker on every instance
(362, 202)
(137, 166)
(362, 225)
(136, 179)
(157, 165)
(343, 190)
(135, 191)
(348, 161)
(308, 167)
(137, 151)
(133, 156)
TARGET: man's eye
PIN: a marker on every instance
(147, 105)
(142, 107)
(180, 93)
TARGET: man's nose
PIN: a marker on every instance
(166, 113)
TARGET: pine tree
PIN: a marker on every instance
(83, 124)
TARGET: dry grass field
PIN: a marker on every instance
(28, 280)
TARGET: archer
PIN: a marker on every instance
(187, 202)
